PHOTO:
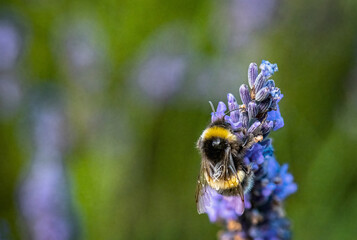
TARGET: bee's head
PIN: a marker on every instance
(214, 141)
(215, 148)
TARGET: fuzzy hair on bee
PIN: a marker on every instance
(222, 165)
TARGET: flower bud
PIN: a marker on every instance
(244, 94)
(262, 94)
(259, 82)
(235, 116)
(252, 110)
(243, 118)
(252, 74)
(254, 126)
(232, 102)
(221, 108)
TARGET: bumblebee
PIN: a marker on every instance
(222, 165)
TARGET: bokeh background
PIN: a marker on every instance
(101, 103)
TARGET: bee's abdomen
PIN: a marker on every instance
(224, 185)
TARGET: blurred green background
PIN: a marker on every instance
(101, 103)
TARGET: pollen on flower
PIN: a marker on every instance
(258, 139)
(233, 226)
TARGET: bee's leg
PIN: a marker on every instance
(256, 135)
(233, 169)
(232, 163)
(252, 139)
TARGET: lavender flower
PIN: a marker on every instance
(81, 55)
(162, 65)
(238, 21)
(44, 195)
(264, 216)
(10, 44)
(160, 77)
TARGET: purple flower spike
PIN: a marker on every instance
(261, 216)
(252, 74)
(244, 94)
(44, 194)
(262, 94)
(252, 110)
(259, 82)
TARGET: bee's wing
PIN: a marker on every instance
(230, 165)
(203, 198)
(203, 193)
(238, 198)
(241, 192)
(239, 205)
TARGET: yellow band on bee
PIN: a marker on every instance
(218, 132)
(231, 182)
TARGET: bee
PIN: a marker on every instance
(222, 165)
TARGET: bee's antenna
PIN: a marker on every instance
(226, 114)
(229, 111)
(210, 103)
